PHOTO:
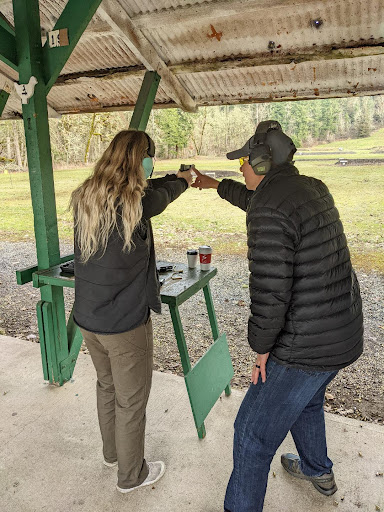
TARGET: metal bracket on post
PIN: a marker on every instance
(145, 101)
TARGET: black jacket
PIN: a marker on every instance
(114, 291)
(305, 299)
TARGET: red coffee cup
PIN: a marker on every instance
(205, 252)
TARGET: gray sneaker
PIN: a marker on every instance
(110, 464)
(156, 471)
(325, 483)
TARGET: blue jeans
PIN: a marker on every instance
(290, 399)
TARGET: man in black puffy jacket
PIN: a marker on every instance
(306, 316)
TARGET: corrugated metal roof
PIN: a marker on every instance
(306, 80)
(107, 50)
(217, 52)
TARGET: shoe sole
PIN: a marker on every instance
(326, 492)
(126, 491)
(110, 464)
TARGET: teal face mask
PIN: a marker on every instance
(148, 166)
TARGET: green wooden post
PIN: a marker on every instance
(145, 101)
(28, 42)
(52, 328)
(43, 350)
(59, 345)
(213, 321)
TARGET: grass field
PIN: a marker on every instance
(203, 217)
(372, 143)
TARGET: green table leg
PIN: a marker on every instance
(183, 350)
(50, 345)
(43, 348)
(213, 321)
(201, 431)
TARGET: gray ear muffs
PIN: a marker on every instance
(281, 146)
(260, 157)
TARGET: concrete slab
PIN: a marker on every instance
(51, 449)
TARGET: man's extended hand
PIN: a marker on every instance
(259, 368)
(203, 181)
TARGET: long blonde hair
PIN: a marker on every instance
(114, 189)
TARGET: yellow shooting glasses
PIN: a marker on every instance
(243, 159)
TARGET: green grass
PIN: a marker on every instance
(16, 218)
(335, 157)
(203, 217)
(374, 141)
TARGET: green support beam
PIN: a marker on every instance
(51, 311)
(145, 101)
(8, 52)
(4, 95)
(35, 115)
(75, 18)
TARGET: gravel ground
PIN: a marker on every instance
(357, 391)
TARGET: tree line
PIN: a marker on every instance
(212, 131)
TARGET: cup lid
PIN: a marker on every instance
(192, 251)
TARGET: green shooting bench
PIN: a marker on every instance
(205, 381)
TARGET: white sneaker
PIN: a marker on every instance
(110, 464)
(156, 471)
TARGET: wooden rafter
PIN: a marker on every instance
(225, 64)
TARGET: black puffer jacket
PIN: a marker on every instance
(114, 291)
(305, 299)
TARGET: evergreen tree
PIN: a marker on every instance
(363, 129)
(176, 127)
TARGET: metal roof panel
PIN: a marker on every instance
(216, 52)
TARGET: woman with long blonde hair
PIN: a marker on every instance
(116, 288)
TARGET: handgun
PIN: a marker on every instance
(186, 167)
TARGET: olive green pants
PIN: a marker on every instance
(123, 364)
